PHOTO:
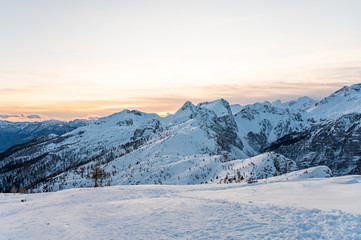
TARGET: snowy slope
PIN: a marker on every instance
(262, 166)
(149, 166)
(313, 209)
(313, 172)
(344, 101)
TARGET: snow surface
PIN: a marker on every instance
(309, 209)
(220, 107)
(148, 165)
(312, 172)
(344, 101)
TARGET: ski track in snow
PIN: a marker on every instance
(234, 211)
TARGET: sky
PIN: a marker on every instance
(82, 59)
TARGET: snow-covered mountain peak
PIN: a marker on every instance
(126, 117)
(347, 90)
(186, 112)
(300, 104)
(187, 105)
(220, 107)
(250, 110)
(343, 101)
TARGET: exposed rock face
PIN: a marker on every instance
(224, 124)
(335, 143)
(261, 123)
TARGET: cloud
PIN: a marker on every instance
(6, 116)
(92, 118)
(34, 116)
(23, 117)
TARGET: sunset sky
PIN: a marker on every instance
(77, 59)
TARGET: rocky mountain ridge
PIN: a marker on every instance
(142, 148)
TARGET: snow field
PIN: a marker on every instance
(309, 209)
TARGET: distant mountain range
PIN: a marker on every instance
(13, 133)
(209, 142)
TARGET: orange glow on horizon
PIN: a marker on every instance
(235, 94)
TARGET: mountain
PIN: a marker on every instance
(302, 103)
(209, 142)
(176, 169)
(262, 123)
(132, 134)
(344, 101)
(41, 158)
(13, 133)
(335, 143)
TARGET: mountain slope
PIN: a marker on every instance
(344, 101)
(335, 143)
(100, 140)
(144, 166)
(262, 123)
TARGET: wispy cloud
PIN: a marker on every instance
(92, 117)
(5, 116)
(23, 117)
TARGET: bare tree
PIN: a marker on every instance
(22, 189)
(13, 189)
(98, 175)
(108, 183)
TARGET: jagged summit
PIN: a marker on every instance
(185, 113)
(220, 106)
(302, 103)
(187, 105)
